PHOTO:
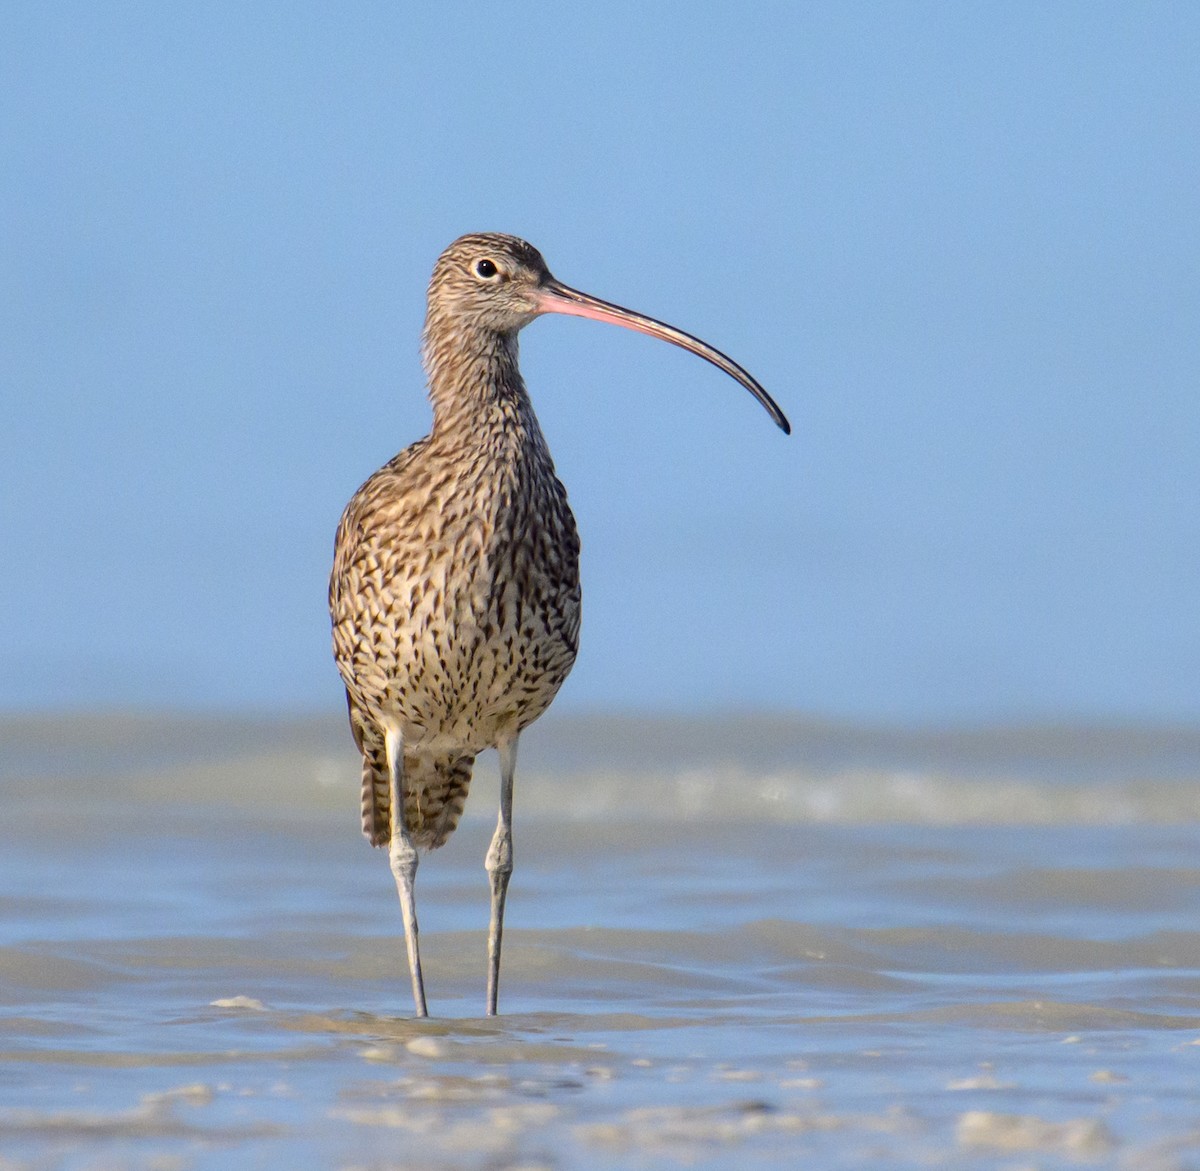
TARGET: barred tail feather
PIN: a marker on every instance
(376, 799)
(435, 789)
(435, 793)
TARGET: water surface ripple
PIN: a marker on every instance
(725, 961)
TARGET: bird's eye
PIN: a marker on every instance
(486, 269)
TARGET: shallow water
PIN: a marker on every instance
(738, 943)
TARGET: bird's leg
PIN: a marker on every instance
(499, 865)
(402, 855)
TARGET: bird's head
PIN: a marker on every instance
(489, 281)
(492, 284)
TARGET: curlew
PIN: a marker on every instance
(455, 587)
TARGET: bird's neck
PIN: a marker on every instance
(475, 385)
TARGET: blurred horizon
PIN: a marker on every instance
(959, 245)
(801, 721)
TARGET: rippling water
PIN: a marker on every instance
(737, 942)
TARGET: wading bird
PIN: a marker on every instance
(455, 587)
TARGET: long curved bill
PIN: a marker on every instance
(555, 297)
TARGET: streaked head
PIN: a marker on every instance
(490, 281)
(499, 283)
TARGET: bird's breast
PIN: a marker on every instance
(465, 608)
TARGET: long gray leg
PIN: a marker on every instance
(402, 855)
(499, 865)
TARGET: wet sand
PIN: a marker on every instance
(736, 942)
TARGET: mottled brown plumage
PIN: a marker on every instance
(455, 588)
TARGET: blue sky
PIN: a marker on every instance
(958, 243)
